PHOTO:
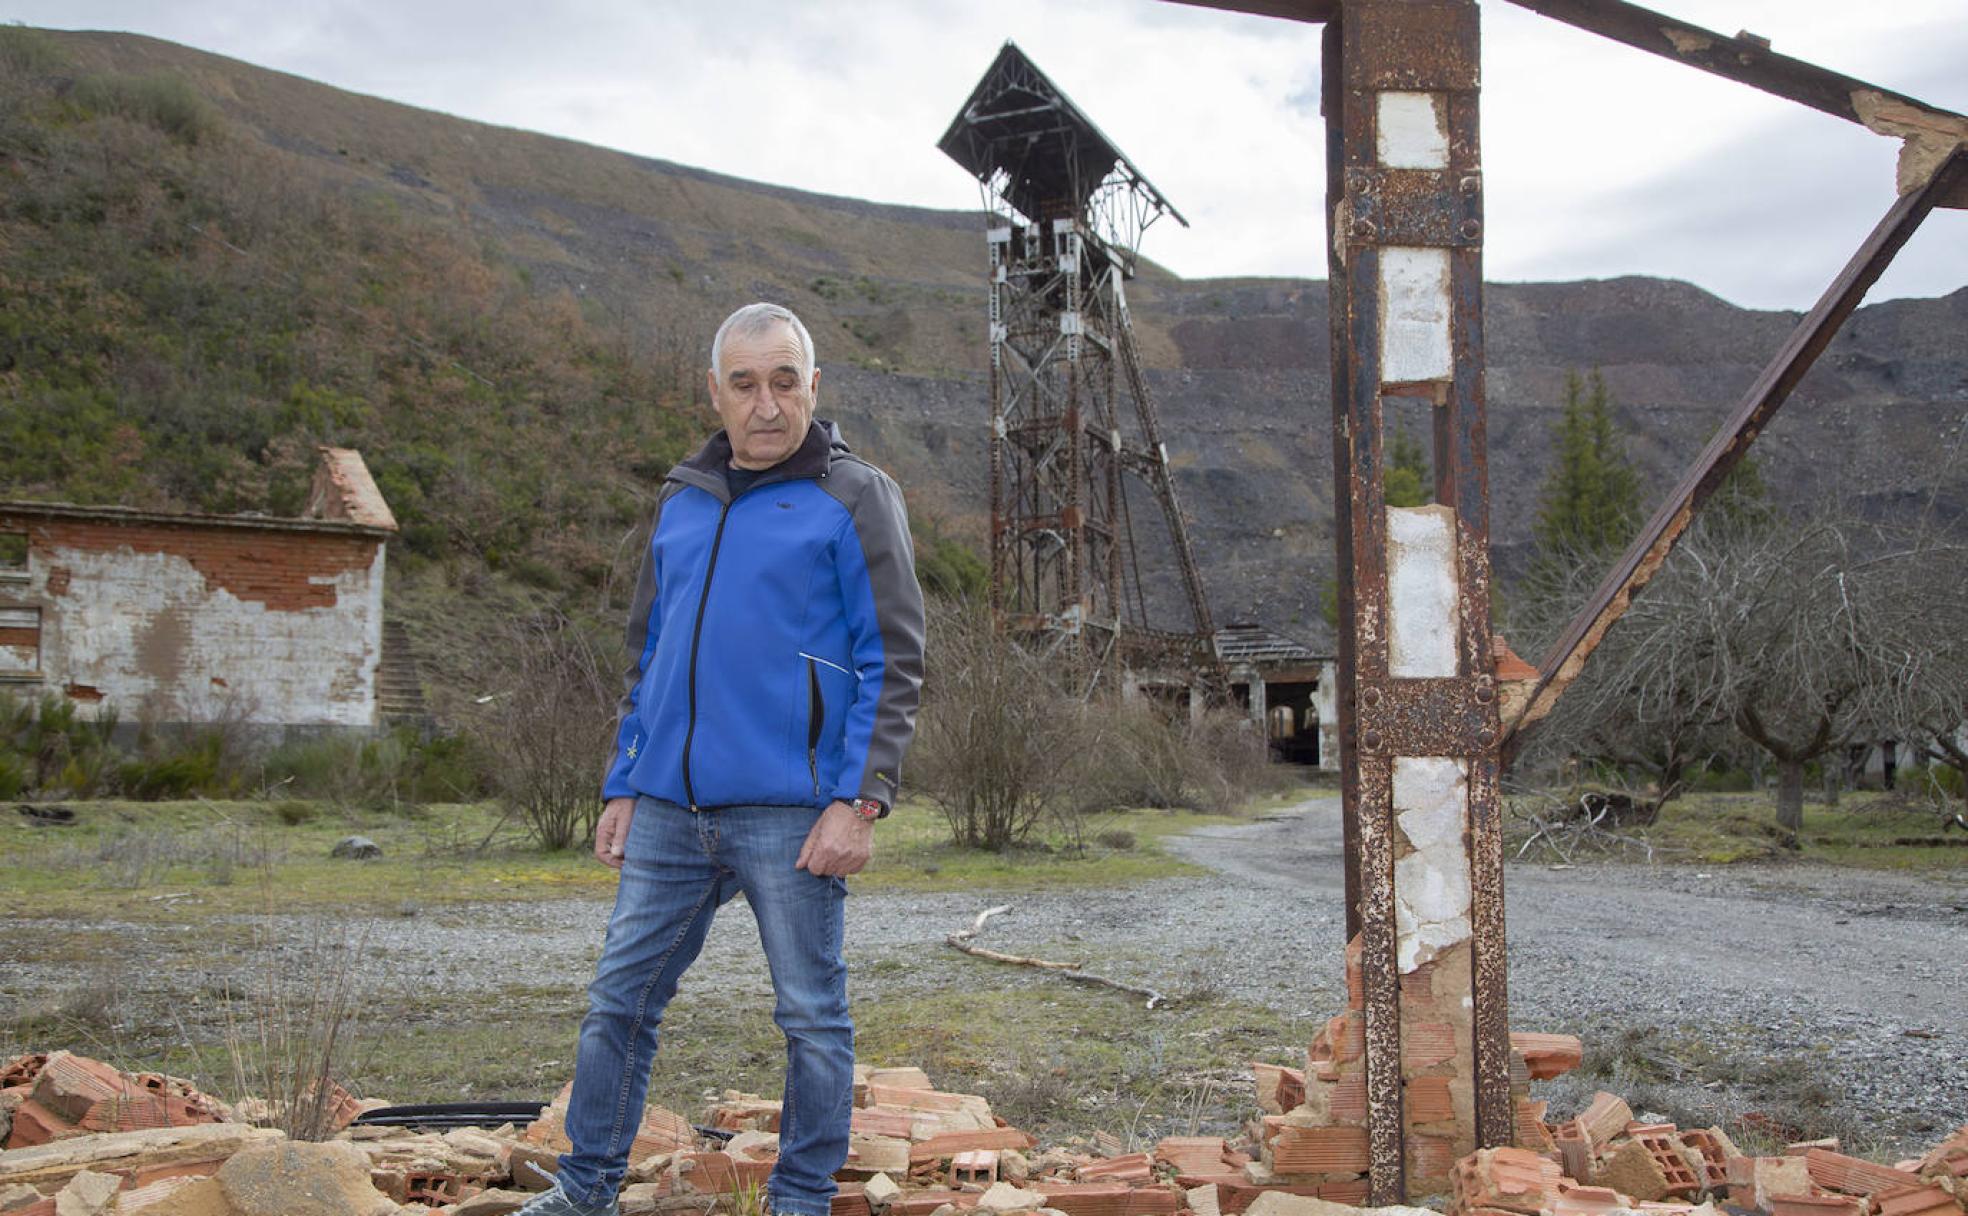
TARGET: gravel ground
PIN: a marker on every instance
(1856, 978)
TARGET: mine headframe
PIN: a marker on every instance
(1075, 439)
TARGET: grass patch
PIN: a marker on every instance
(153, 862)
(1763, 1101)
(1867, 829)
(913, 852)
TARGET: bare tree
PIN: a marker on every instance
(1652, 699)
(997, 741)
(1811, 625)
(1929, 699)
(1801, 635)
(545, 725)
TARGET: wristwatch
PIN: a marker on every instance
(869, 809)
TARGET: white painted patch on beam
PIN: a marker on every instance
(1431, 884)
(1422, 615)
(1414, 315)
(1409, 132)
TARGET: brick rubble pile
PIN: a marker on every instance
(83, 1139)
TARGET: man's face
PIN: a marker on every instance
(764, 394)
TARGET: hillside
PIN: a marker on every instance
(206, 267)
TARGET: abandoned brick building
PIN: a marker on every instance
(168, 618)
(1287, 686)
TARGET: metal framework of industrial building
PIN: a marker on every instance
(1404, 216)
(1073, 423)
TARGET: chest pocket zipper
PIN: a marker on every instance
(816, 715)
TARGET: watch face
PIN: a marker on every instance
(867, 808)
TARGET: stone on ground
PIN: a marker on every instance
(329, 1179)
(88, 1194)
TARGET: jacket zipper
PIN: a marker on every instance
(816, 714)
(696, 636)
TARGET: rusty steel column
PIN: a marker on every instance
(1416, 672)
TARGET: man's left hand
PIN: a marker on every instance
(839, 844)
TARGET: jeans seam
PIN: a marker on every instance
(642, 1010)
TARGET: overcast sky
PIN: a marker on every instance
(1599, 160)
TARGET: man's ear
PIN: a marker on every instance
(813, 389)
(711, 382)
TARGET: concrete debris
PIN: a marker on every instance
(289, 1179)
(88, 1194)
(920, 1151)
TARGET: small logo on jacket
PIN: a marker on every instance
(783, 506)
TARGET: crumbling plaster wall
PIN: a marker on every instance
(192, 622)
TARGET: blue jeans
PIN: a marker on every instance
(678, 867)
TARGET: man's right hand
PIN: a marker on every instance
(612, 833)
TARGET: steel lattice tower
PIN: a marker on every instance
(1068, 210)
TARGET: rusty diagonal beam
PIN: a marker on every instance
(1643, 559)
(1743, 58)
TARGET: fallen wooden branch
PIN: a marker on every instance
(961, 940)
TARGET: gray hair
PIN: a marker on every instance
(756, 318)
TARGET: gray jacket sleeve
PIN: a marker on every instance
(885, 621)
(638, 642)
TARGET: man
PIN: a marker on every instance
(776, 640)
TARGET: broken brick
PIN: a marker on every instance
(977, 1167)
(1278, 1088)
(1853, 1175)
(1926, 1200)
(1529, 1127)
(1109, 1199)
(1506, 1179)
(1430, 1156)
(1574, 1149)
(877, 1121)
(1589, 1201)
(1753, 1180)
(1427, 1043)
(1547, 1055)
(1192, 1154)
(1631, 1169)
(1318, 1150)
(949, 1144)
(1715, 1149)
(1672, 1159)
(1605, 1119)
(1817, 1205)
(1428, 1100)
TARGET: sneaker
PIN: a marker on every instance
(556, 1202)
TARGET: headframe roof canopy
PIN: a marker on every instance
(1025, 140)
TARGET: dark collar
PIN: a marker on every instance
(705, 468)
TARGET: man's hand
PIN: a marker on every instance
(839, 844)
(612, 833)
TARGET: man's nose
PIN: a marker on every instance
(768, 406)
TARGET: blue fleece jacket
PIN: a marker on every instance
(776, 638)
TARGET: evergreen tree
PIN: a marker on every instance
(1408, 482)
(1590, 503)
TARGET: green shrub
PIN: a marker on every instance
(382, 771)
(26, 52)
(13, 774)
(1937, 781)
(162, 100)
(52, 745)
(1721, 781)
(176, 773)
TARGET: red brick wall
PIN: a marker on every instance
(270, 567)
